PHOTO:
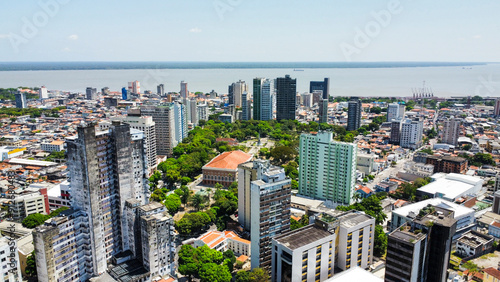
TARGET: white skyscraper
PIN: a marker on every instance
(327, 168)
(42, 93)
(411, 133)
(146, 125)
(202, 110)
(395, 111)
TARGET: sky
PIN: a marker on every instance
(250, 30)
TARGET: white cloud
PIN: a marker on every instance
(3, 36)
(73, 37)
(476, 36)
(195, 30)
(66, 49)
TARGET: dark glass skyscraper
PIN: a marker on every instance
(321, 85)
(354, 114)
(286, 91)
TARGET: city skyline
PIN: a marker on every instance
(56, 30)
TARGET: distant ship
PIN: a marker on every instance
(298, 70)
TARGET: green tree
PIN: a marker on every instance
(58, 211)
(31, 265)
(34, 220)
(173, 203)
(185, 180)
(380, 241)
(282, 154)
(229, 255)
(242, 276)
(198, 201)
(258, 275)
(186, 194)
(211, 272)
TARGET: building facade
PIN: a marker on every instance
(263, 92)
(411, 133)
(164, 124)
(395, 111)
(223, 169)
(447, 164)
(327, 168)
(286, 94)
(451, 131)
(246, 107)
(21, 100)
(323, 111)
(354, 109)
(63, 248)
(148, 126)
(106, 169)
(91, 93)
(270, 198)
(323, 86)
(184, 90)
(305, 254)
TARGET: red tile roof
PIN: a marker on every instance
(229, 160)
(493, 272)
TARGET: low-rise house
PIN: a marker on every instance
(474, 244)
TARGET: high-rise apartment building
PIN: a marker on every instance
(327, 168)
(193, 112)
(354, 109)
(160, 89)
(158, 247)
(91, 93)
(323, 111)
(263, 92)
(65, 236)
(395, 111)
(496, 110)
(184, 90)
(451, 131)
(180, 123)
(109, 222)
(247, 172)
(42, 93)
(411, 133)
(106, 169)
(420, 250)
(270, 198)
(230, 94)
(134, 87)
(306, 254)
(323, 86)
(105, 91)
(286, 95)
(202, 111)
(164, 124)
(235, 91)
(246, 107)
(356, 238)
(395, 132)
(21, 100)
(148, 126)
